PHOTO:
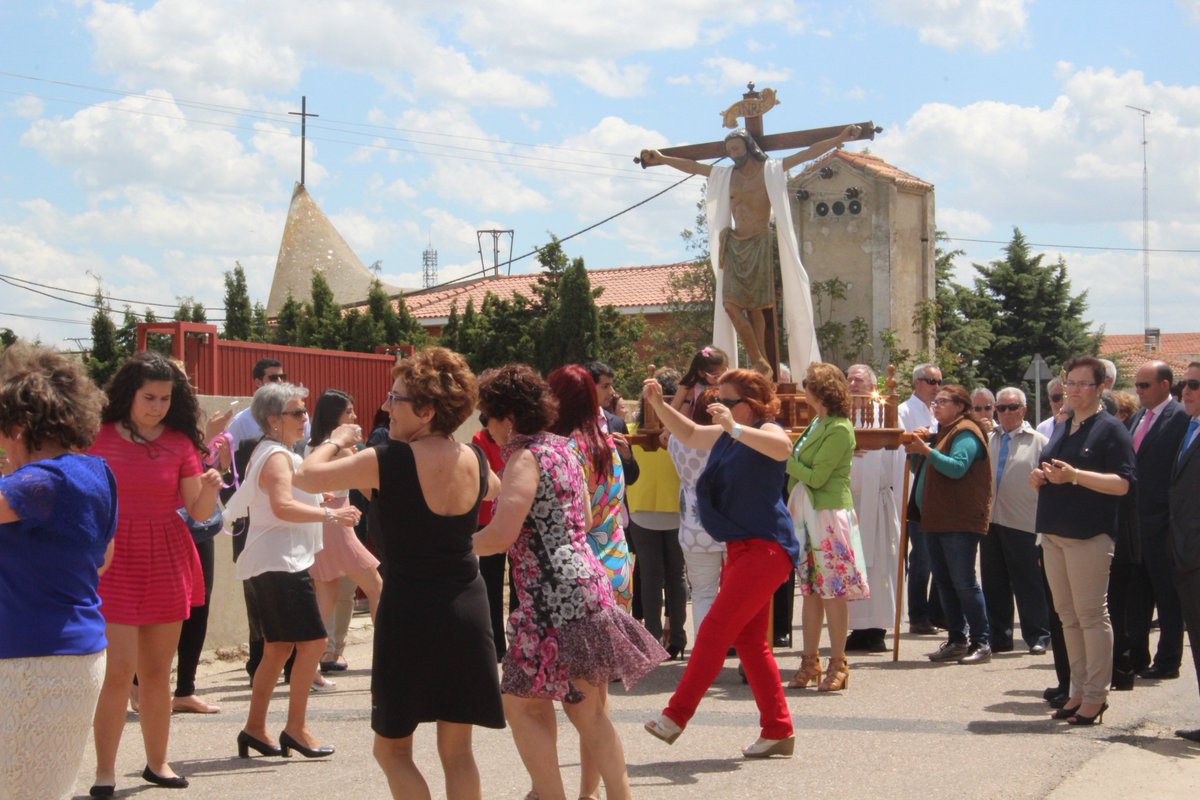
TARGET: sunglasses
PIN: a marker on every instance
(298, 413)
(981, 409)
(1143, 385)
(1056, 398)
(1191, 384)
(931, 381)
(730, 403)
(392, 397)
(1003, 407)
(276, 378)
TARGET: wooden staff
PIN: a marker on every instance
(900, 565)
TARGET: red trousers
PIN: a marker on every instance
(754, 569)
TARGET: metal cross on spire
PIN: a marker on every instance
(304, 115)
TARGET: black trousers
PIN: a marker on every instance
(491, 569)
(1010, 563)
(1154, 587)
(195, 627)
(661, 574)
(1187, 584)
(1122, 587)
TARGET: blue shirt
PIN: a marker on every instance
(50, 556)
(740, 496)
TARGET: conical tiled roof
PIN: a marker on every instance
(311, 244)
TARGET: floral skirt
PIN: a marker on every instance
(832, 564)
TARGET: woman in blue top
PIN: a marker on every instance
(740, 500)
(952, 501)
(58, 512)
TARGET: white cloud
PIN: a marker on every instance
(27, 106)
(963, 222)
(722, 74)
(952, 24)
(1192, 7)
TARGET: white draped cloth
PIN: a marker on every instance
(871, 475)
(797, 297)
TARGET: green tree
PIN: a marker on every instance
(105, 356)
(1032, 311)
(190, 310)
(288, 322)
(259, 327)
(571, 328)
(239, 316)
(448, 338)
(962, 320)
(7, 338)
(321, 323)
(616, 346)
(504, 333)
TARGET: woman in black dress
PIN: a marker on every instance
(434, 656)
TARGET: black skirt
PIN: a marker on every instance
(287, 606)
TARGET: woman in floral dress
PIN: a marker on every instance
(567, 637)
(832, 568)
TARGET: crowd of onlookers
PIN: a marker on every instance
(554, 546)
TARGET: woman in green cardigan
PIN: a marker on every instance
(832, 568)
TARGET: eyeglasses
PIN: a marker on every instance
(730, 402)
(942, 401)
(1191, 384)
(298, 413)
(276, 378)
(392, 397)
(1056, 398)
(1003, 407)
(931, 381)
(981, 409)
(1078, 385)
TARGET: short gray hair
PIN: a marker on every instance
(270, 400)
(1110, 369)
(985, 391)
(1054, 382)
(1012, 390)
(870, 372)
(919, 369)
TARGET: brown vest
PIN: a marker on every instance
(964, 504)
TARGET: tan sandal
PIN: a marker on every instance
(809, 672)
(837, 676)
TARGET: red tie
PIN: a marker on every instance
(1141, 431)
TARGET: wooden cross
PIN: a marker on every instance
(751, 108)
(304, 115)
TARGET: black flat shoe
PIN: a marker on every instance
(1054, 691)
(287, 744)
(174, 782)
(246, 743)
(1080, 719)
(101, 790)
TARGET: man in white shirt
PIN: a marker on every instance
(1009, 556)
(917, 412)
(1054, 391)
(243, 425)
(871, 476)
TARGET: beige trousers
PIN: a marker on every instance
(1077, 571)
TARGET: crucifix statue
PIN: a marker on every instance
(739, 202)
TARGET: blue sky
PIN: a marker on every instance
(148, 143)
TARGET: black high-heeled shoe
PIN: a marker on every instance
(287, 744)
(1065, 713)
(246, 743)
(1080, 719)
(101, 790)
(173, 782)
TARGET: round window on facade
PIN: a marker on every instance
(822, 209)
(839, 208)
(855, 207)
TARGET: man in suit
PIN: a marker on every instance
(1185, 521)
(1157, 429)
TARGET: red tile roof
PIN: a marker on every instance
(868, 163)
(1128, 350)
(632, 289)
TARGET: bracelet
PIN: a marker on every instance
(328, 514)
(335, 444)
(1075, 478)
(736, 431)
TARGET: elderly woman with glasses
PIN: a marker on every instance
(952, 502)
(282, 541)
(740, 502)
(1083, 471)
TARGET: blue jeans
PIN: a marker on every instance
(923, 602)
(952, 558)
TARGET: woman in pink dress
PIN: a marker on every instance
(151, 441)
(342, 553)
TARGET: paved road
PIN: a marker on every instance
(909, 729)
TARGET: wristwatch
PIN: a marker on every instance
(736, 431)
